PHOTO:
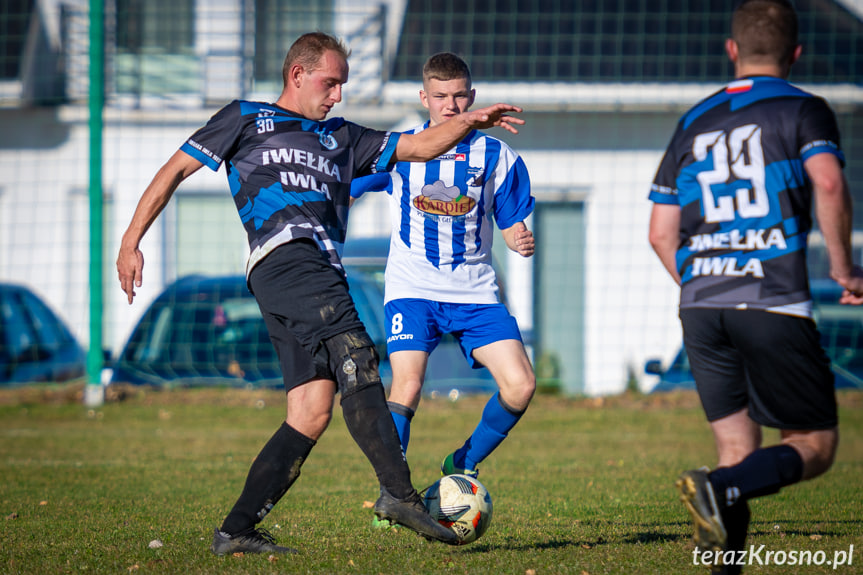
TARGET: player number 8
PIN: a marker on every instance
(397, 325)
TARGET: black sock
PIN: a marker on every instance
(763, 472)
(271, 475)
(736, 521)
(371, 425)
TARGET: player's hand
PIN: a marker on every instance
(494, 116)
(853, 292)
(130, 267)
(523, 239)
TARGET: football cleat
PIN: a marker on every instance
(411, 513)
(697, 495)
(255, 541)
(448, 467)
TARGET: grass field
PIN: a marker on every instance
(581, 486)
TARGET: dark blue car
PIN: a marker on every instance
(209, 331)
(841, 329)
(35, 344)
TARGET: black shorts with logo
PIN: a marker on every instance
(304, 300)
(770, 363)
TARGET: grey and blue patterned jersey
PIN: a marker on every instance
(290, 177)
(735, 168)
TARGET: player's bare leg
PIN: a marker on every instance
(509, 365)
(409, 368)
(310, 407)
(736, 436)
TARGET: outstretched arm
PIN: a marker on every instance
(834, 213)
(664, 236)
(434, 141)
(519, 239)
(130, 260)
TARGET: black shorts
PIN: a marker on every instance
(305, 301)
(770, 363)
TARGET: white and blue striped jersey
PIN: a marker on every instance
(441, 214)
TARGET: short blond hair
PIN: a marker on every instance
(308, 49)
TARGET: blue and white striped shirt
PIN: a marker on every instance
(441, 215)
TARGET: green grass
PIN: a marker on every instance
(581, 486)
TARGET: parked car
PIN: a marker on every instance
(35, 344)
(841, 329)
(448, 373)
(209, 331)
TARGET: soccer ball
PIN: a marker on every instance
(461, 503)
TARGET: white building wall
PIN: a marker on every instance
(630, 301)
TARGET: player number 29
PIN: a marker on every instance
(746, 162)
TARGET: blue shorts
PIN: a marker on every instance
(419, 325)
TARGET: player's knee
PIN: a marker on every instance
(825, 447)
(817, 449)
(354, 361)
(519, 392)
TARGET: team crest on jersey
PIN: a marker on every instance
(442, 200)
(476, 177)
(327, 141)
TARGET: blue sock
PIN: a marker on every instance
(497, 419)
(763, 472)
(402, 416)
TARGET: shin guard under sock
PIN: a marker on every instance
(763, 472)
(270, 476)
(371, 425)
(402, 416)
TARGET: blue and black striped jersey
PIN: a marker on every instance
(290, 177)
(735, 168)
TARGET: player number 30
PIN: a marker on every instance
(746, 162)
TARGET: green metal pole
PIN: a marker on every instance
(94, 394)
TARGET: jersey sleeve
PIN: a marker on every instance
(512, 200)
(374, 150)
(664, 187)
(817, 131)
(378, 182)
(217, 139)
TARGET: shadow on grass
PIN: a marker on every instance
(552, 544)
(658, 533)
